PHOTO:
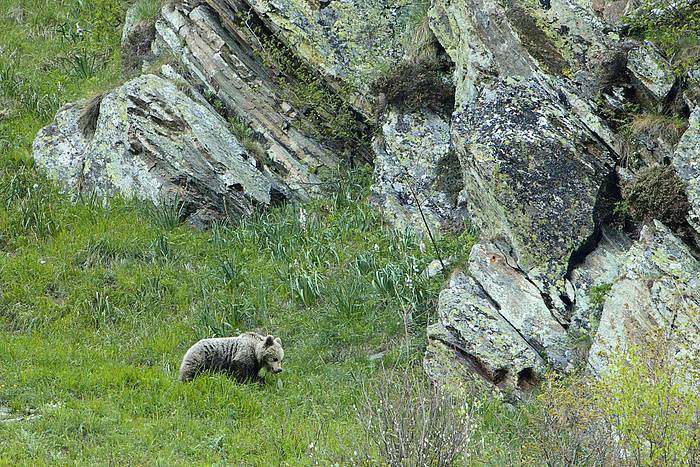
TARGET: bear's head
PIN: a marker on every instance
(271, 354)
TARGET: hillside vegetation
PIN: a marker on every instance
(99, 301)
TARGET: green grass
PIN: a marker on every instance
(100, 303)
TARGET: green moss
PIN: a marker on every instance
(328, 114)
(537, 38)
(599, 293)
(657, 193)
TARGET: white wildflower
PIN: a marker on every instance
(302, 217)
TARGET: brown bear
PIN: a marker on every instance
(242, 357)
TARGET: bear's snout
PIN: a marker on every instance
(277, 370)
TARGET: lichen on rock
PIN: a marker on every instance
(659, 288)
(415, 166)
(153, 142)
(533, 175)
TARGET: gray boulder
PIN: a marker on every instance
(495, 326)
(652, 74)
(473, 341)
(147, 139)
(533, 175)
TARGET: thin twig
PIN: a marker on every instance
(427, 227)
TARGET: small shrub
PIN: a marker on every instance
(673, 25)
(644, 410)
(246, 136)
(417, 84)
(566, 426)
(411, 422)
(147, 11)
(349, 300)
(214, 321)
(31, 202)
(229, 271)
(82, 63)
(657, 193)
(650, 396)
(419, 39)
(160, 247)
(100, 310)
(306, 287)
(388, 280)
(669, 128)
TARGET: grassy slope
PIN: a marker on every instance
(98, 304)
(97, 315)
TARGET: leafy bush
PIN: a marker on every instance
(599, 293)
(566, 427)
(645, 410)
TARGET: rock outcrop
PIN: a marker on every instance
(218, 57)
(528, 143)
(686, 161)
(538, 164)
(472, 332)
(149, 140)
(350, 42)
(659, 287)
(533, 175)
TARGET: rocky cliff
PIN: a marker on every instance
(570, 144)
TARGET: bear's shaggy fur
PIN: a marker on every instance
(241, 357)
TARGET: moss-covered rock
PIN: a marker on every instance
(352, 42)
(533, 175)
(686, 160)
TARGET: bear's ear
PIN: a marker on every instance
(278, 341)
(269, 341)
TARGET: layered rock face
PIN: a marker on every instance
(219, 58)
(531, 153)
(245, 59)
